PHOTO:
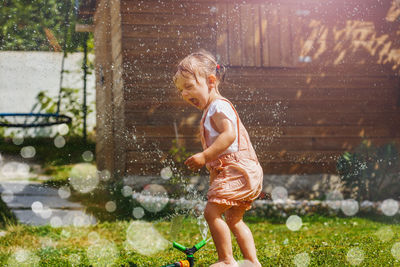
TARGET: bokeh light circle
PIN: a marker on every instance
(126, 191)
(166, 173)
(334, 199)
(87, 155)
(105, 175)
(390, 207)
(45, 213)
(279, 194)
(56, 222)
(84, 177)
(93, 237)
(271, 250)
(18, 140)
(396, 250)
(64, 192)
(111, 206)
(74, 259)
(15, 169)
(301, 260)
(59, 142)
(349, 207)
(7, 196)
(28, 152)
(78, 219)
(22, 257)
(385, 233)
(153, 198)
(138, 212)
(294, 223)
(355, 256)
(62, 129)
(144, 238)
(37, 207)
(102, 253)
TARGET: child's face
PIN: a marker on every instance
(196, 93)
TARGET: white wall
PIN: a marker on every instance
(24, 74)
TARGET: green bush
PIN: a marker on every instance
(70, 106)
(371, 172)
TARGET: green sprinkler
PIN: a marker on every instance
(189, 262)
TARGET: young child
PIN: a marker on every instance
(235, 173)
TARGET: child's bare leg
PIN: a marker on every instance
(220, 233)
(244, 237)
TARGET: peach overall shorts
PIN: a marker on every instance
(235, 178)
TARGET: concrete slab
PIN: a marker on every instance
(28, 188)
(25, 202)
(57, 218)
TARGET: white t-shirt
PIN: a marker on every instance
(221, 106)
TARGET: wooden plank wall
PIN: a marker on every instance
(307, 88)
(110, 123)
(104, 96)
(156, 35)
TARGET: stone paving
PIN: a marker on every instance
(36, 204)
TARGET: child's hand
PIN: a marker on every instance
(196, 161)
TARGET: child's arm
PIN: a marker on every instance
(226, 137)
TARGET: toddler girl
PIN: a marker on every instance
(235, 174)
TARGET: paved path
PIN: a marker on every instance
(36, 204)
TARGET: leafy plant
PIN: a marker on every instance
(39, 26)
(70, 105)
(370, 172)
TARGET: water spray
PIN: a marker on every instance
(189, 262)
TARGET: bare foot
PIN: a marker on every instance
(225, 264)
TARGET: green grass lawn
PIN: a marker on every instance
(325, 241)
(321, 241)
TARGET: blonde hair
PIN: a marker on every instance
(200, 63)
